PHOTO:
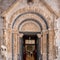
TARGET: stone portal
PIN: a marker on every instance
(29, 30)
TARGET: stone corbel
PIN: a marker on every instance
(39, 35)
(21, 35)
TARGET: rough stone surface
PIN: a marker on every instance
(55, 5)
(57, 32)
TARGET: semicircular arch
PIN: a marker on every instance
(43, 19)
(32, 22)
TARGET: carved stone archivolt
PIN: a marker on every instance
(24, 10)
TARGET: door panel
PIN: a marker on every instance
(30, 49)
(30, 54)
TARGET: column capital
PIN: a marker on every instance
(39, 35)
(20, 35)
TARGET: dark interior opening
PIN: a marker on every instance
(30, 47)
(28, 1)
(30, 37)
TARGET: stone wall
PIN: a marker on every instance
(57, 38)
(5, 4)
(1, 32)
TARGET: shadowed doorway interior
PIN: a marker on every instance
(30, 47)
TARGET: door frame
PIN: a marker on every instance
(38, 43)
